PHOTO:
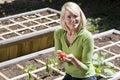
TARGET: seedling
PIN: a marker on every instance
(28, 69)
(50, 62)
(102, 66)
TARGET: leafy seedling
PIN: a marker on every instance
(28, 69)
(102, 66)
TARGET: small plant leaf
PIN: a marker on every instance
(109, 64)
(98, 70)
(28, 68)
(109, 72)
(47, 67)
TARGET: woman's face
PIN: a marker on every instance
(71, 20)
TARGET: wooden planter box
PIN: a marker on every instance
(108, 42)
(28, 32)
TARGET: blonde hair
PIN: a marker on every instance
(75, 9)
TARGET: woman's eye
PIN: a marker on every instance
(75, 16)
(69, 17)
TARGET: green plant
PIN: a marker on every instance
(102, 66)
(50, 62)
(93, 28)
(28, 69)
(92, 24)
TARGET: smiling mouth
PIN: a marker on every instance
(74, 24)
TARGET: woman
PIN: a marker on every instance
(77, 42)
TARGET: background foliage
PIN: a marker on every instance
(107, 10)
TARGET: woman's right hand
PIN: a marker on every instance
(61, 55)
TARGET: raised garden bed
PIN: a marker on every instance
(39, 62)
(107, 42)
(27, 32)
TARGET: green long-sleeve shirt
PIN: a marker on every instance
(82, 48)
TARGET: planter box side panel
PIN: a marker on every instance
(27, 46)
(8, 52)
(44, 42)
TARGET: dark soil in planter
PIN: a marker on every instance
(52, 24)
(10, 35)
(6, 22)
(108, 55)
(0, 39)
(48, 76)
(107, 39)
(18, 19)
(42, 74)
(115, 49)
(3, 30)
(55, 17)
(30, 23)
(31, 62)
(15, 27)
(32, 16)
(39, 27)
(116, 62)
(25, 31)
(42, 20)
(11, 71)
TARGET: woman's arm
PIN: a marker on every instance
(57, 42)
(75, 61)
(87, 53)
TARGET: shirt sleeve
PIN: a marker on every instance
(57, 42)
(88, 48)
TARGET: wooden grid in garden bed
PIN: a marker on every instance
(40, 72)
(109, 42)
(27, 32)
(28, 22)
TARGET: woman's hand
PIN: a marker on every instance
(63, 57)
(69, 58)
(61, 54)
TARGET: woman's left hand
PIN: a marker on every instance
(68, 58)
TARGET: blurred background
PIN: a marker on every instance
(104, 14)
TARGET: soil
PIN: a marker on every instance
(9, 35)
(13, 70)
(106, 40)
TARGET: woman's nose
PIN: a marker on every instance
(73, 19)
